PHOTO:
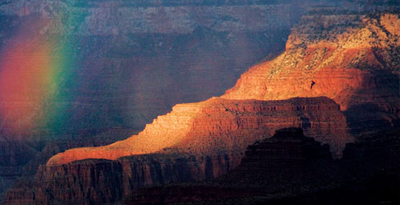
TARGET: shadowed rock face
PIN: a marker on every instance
(290, 168)
(288, 159)
(288, 162)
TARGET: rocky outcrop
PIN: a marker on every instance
(20, 161)
(352, 64)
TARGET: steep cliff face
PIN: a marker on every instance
(356, 69)
(20, 160)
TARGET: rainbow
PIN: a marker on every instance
(35, 70)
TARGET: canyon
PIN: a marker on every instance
(337, 80)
